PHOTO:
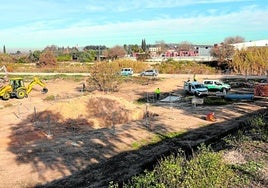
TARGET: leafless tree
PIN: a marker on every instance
(233, 40)
(47, 58)
(115, 52)
(185, 46)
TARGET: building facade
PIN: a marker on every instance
(257, 43)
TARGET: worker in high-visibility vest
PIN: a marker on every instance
(157, 92)
(195, 79)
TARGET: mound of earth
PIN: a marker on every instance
(99, 111)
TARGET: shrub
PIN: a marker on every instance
(64, 57)
(184, 67)
(215, 101)
(205, 169)
(170, 171)
(137, 66)
(104, 76)
(258, 127)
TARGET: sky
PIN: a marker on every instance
(36, 24)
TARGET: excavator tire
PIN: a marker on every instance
(20, 94)
(6, 96)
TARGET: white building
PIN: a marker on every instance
(257, 43)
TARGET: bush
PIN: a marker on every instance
(64, 57)
(205, 169)
(104, 76)
(137, 66)
(184, 67)
(215, 101)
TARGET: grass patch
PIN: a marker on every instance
(8, 105)
(173, 134)
(28, 78)
(144, 142)
(250, 168)
(215, 101)
(155, 139)
(50, 98)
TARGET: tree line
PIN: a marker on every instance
(252, 60)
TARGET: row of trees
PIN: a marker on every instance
(245, 61)
(52, 54)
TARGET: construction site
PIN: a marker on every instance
(61, 129)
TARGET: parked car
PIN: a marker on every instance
(151, 72)
(195, 88)
(216, 85)
(126, 72)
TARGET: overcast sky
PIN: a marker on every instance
(35, 24)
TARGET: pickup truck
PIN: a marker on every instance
(195, 88)
(216, 85)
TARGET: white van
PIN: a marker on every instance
(195, 88)
(126, 71)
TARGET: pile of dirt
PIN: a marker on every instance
(99, 111)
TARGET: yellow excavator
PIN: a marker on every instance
(16, 88)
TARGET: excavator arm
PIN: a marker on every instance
(36, 81)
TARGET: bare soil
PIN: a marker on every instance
(44, 140)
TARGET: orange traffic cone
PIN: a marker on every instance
(211, 117)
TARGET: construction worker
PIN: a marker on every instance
(195, 79)
(157, 92)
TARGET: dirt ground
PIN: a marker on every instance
(43, 140)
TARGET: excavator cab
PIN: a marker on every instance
(18, 88)
(16, 83)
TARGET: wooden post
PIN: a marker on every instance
(147, 116)
(49, 135)
(34, 115)
(113, 124)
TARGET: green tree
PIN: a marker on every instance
(4, 49)
(64, 57)
(143, 45)
(127, 48)
(87, 56)
(34, 56)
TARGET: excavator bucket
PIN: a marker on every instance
(45, 90)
